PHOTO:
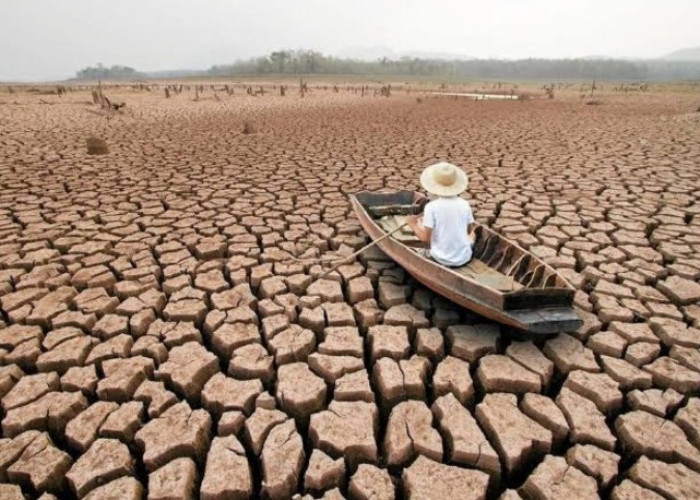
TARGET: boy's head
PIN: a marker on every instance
(444, 179)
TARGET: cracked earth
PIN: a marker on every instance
(156, 341)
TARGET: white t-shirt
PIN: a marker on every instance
(449, 217)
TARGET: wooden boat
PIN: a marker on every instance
(503, 281)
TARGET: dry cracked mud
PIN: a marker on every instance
(156, 339)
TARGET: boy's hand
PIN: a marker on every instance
(421, 201)
(415, 223)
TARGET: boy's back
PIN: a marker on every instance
(449, 217)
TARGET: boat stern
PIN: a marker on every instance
(547, 320)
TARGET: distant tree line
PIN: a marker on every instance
(312, 62)
(309, 62)
(100, 72)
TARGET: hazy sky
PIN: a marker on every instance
(52, 39)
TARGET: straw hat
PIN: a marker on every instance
(444, 179)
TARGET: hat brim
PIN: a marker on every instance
(429, 184)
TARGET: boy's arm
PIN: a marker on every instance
(471, 224)
(423, 233)
(470, 232)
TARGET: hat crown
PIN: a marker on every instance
(445, 174)
(444, 179)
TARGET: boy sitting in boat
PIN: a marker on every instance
(447, 221)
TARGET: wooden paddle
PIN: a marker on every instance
(420, 204)
(322, 260)
(343, 260)
(353, 255)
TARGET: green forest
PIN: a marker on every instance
(309, 62)
(312, 62)
(100, 72)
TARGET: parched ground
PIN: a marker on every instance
(155, 339)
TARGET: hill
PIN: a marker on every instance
(687, 54)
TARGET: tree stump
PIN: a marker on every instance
(96, 146)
